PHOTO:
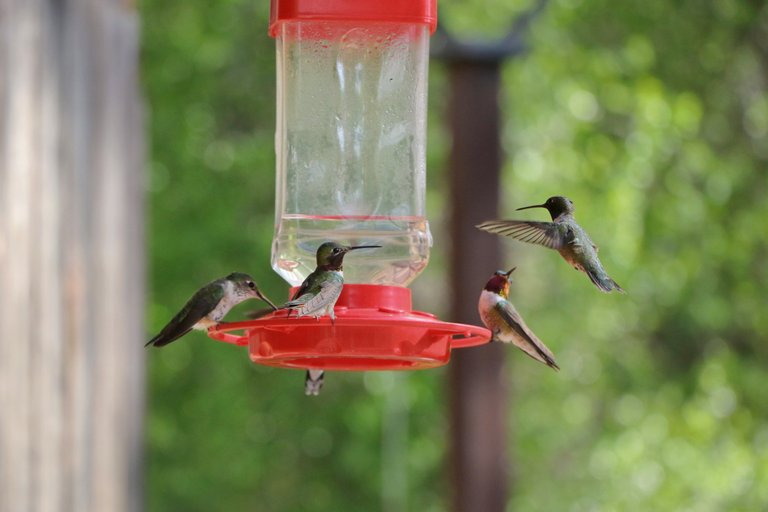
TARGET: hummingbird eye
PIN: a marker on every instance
(336, 250)
(251, 284)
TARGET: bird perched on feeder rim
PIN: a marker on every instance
(318, 294)
(321, 289)
(563, 234)
(505, 323)
(209, 305)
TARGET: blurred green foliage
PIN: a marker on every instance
(652, 116)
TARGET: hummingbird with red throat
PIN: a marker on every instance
(505, 323)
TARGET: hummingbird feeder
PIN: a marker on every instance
(351, 167)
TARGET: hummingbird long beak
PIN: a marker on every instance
(510, 272)
(355, 247)
(265, 299)
(532, 206)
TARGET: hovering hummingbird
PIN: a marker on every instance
(318, 294)
(563, 234)
(208, 306)
(506, 324)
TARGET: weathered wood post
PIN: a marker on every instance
(71, 256)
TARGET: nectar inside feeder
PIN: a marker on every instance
(351, 168)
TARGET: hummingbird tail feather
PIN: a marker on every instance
(162, 340)
(296, 303)
(535, 349)
(603, 281)
(544, 357)
(551, 363)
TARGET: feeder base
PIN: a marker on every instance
(375, 329)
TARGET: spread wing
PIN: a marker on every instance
(532, 345)
(201, 303)
(547, 234)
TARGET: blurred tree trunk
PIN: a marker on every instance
(71, 256)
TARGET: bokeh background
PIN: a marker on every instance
(652, 116)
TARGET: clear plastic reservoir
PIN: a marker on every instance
(350, 145)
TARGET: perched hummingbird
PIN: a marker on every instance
(313, 382)
(208, 306)
(563, 234)
(318, 294)
(506, 324)
(321, 289)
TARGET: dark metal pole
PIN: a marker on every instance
(478, 380)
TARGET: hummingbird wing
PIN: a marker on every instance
(307, 285)
(196, 308)
(306, 291)
(316, 303)
(527, 341)
(547, 234)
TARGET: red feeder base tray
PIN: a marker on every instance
(375, 329)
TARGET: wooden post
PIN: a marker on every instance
(478, 377)
(71, 256)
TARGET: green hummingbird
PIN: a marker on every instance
(563, 234)
(321, 289)
(209, 305)
(318, 294)
(505, 323)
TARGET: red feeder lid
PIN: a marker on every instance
(401, 11)
(375, 329)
